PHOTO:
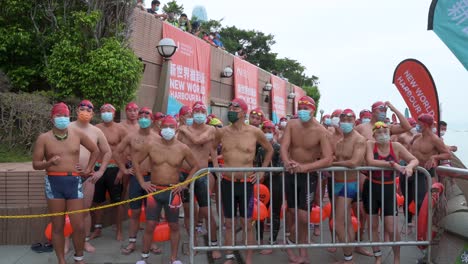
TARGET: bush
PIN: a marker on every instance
(22, 118)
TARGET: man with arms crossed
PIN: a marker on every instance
(239, 141)
(85, 114)
(350, 152)
(60, 148)
(202, 150)
(166, 155)
(305, 148)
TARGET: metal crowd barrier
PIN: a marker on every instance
(271, 172)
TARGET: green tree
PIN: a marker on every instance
(173, 7)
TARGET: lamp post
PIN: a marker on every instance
(166, 48)
(321, 114)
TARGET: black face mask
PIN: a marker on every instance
(233, 116)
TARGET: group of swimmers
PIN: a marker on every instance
(148, 152)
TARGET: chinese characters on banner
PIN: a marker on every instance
(299, 94)
(246, 82)
(190, 70)
(416, 86)
(278, 102)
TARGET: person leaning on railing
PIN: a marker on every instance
(386, 154)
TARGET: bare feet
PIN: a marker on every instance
(331, 249)
(156, 250)
(89, 248)
(128, 249)
(96, 233)
(362, 251)
(119, 236)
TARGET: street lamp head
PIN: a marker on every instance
(227, 72)
(267, 87)
(321, 111)
(291, 95)
(166, 48)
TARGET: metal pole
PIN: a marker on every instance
(162, 94)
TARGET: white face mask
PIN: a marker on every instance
(434, 130)
(442, 133)
(283, 123)
(335, 121)
(168, 133)
(414, 131)
(269, 136)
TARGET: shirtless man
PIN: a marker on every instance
(85, 114)
(350, 151)
(407, 137)
(379, 113)
(282, 126)
(256, 117)
(60, 147)
(429, 149)
(305, 148)
(185, 116)
(111, 181)
(157, 118)
(239, 141)
(166, 156)
(200, 138)
(136, 142)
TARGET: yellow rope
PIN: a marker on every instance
(104, 206)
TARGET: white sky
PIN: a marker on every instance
(353, 46)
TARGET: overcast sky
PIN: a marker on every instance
(353, 46)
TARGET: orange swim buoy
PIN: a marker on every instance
(263, 211)
(162, 232)
(315, 215)
(400, 199)
(261, 191)
(67, 229)
(142, 214)
(354, 222)
(423, 213)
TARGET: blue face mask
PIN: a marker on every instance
(365, 121)
(269, 136)
(189, 121)
(199, 118)
(381, 116)
(156, 8)
(304, 115)
(144, 122)
(346, 127)
(107, 117)
(61, 122)
(327, 122)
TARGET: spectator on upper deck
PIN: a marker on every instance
(241, 53)
(217, 40)
(154, 8)
(171, 19)
(207, 38)
(184, 23)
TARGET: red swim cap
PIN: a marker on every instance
(237, 102)
(86, 103)
(107, 106)
(60, 109)
(348, 112)
(365, 114)
(257, 111)
(131, 105)
(411, 121)
(426, 119)
(378, 104)
(158, 116)
(147, 111)
(169, 120)
(283, 119)
(337, 113)
(185, 110)
(268, 124)
(307, 101)
(199, 106)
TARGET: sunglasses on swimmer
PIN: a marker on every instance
(347, 115)
(306, 103)
(234, 104)
(256, 113)
(381, 108)
(85, 105)
(144, 113)
(379, 125)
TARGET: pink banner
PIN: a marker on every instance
(278, 94)
(299, 93)
(190, 70)
(246, 82)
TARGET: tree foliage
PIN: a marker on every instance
(313, 92)
(48, 45)
(173, 7)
